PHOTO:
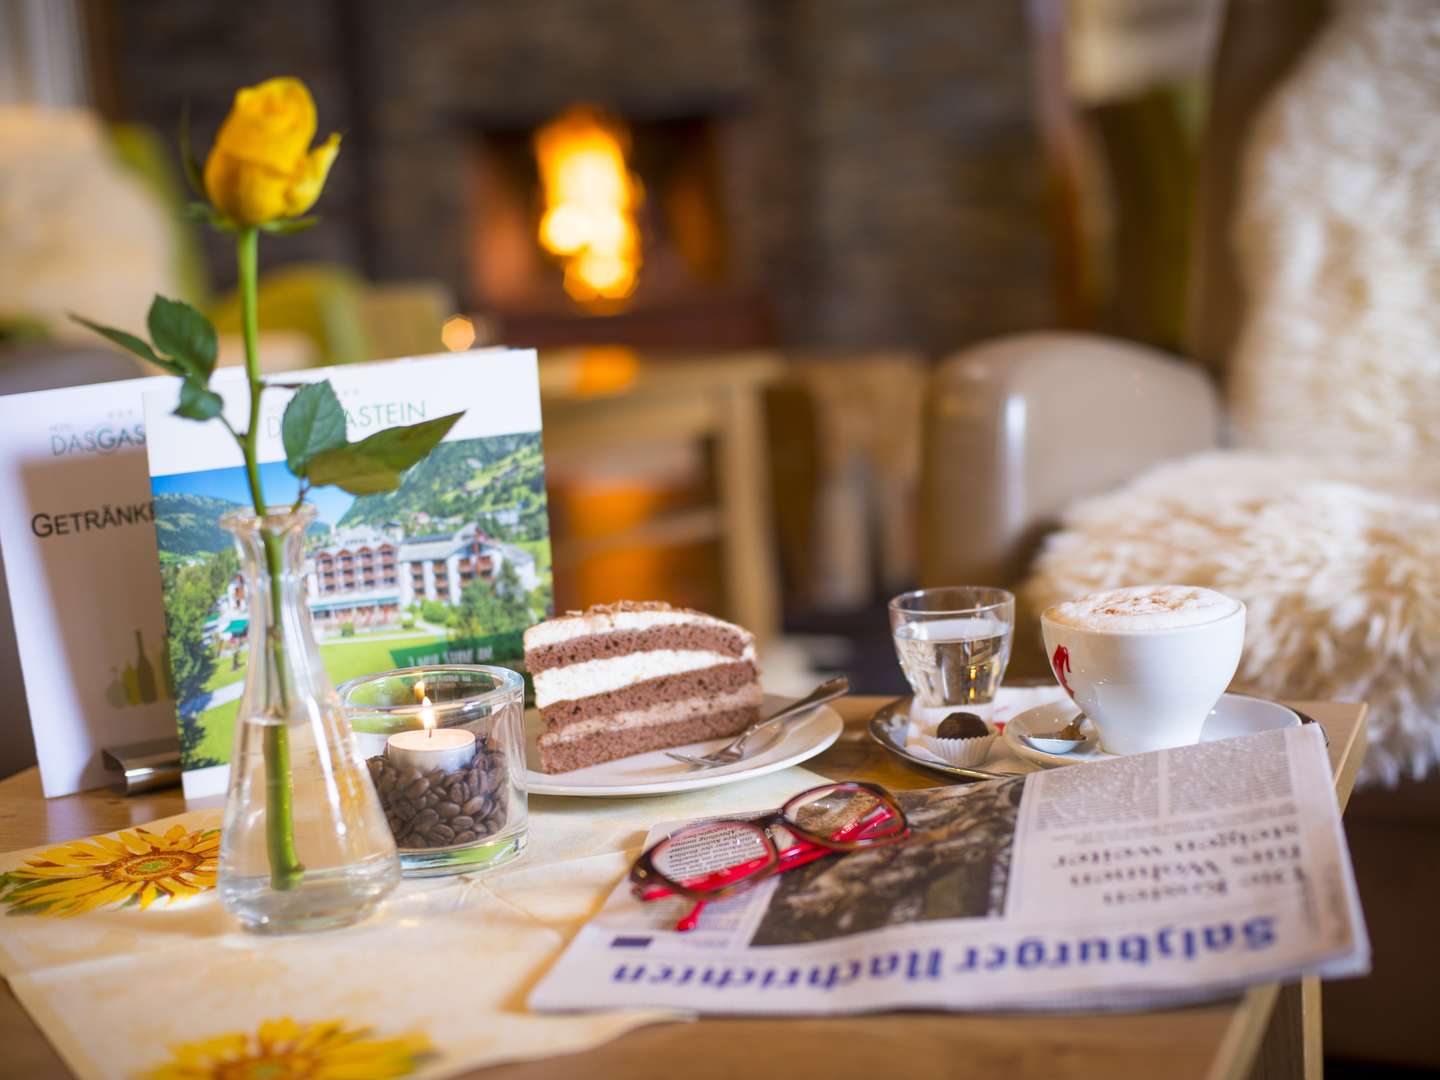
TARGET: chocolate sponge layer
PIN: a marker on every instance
(556, 756)
(711, 682)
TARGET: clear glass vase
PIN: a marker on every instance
(305, 845)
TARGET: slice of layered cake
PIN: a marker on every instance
(621, 679)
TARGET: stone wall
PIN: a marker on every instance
(881, 177)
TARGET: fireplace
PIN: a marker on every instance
(588, 226)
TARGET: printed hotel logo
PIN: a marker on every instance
(102, 439)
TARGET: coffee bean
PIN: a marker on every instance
(409, 773)
(464, 837)
(417, 787)
(461, 821)
(459, 792)
(446, 809)
(442, 833)
(425, 818)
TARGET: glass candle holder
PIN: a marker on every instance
(445, 746)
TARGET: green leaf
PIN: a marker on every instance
(187, 156)
(289, 225)
(197, 402)
(350, 470)
(401, 447)
(181, 332)
(375, 464)
(136, 345)
(314, 422)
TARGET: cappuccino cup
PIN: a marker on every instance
(1147, 664)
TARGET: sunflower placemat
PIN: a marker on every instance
(110, 896)
(119, 949)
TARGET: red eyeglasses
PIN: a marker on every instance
(710, 860)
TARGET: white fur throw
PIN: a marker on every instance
(1332, 539)
(1337, 562)
(1338, 238)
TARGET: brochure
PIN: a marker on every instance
(79, 551)
(1142, 882)
(450, 567)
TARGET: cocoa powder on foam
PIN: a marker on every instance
(1155, 607)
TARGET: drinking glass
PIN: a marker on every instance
(953, 642)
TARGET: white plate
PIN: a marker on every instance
(794, 741)
(1234, 714)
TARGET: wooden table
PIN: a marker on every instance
(1272, 1031)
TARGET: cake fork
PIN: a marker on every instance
(734, 750)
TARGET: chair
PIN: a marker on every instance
(1337, 554)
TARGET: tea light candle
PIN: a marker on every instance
(428, 749)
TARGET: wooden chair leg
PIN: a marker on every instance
(1292, 1047)
(749, 567)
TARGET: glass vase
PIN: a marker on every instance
(305, 845)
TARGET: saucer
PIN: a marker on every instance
(1233, 715)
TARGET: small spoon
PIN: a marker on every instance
(1058, 742)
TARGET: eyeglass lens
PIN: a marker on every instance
(844, 813)
(714, 855)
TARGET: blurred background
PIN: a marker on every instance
(775, 213)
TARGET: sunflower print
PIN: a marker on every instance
(286, 1050)
(132, 867)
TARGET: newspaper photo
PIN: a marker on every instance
(1149, 880)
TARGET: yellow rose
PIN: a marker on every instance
(261, 167)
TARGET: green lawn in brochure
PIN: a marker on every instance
(349, 658)
(219, 738)
(225, 674)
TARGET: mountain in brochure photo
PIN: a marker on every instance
(187, 525)
(497, 482)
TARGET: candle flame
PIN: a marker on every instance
(427, 715)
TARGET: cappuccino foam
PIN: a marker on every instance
(1146, 607)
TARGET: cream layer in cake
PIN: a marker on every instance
(567, 627)
(575, 681)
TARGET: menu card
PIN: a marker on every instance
(450, 567)
(79, 551)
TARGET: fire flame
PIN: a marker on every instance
(590, 201)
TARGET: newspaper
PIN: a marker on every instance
(1145, 881)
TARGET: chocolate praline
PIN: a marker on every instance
(961, 725)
